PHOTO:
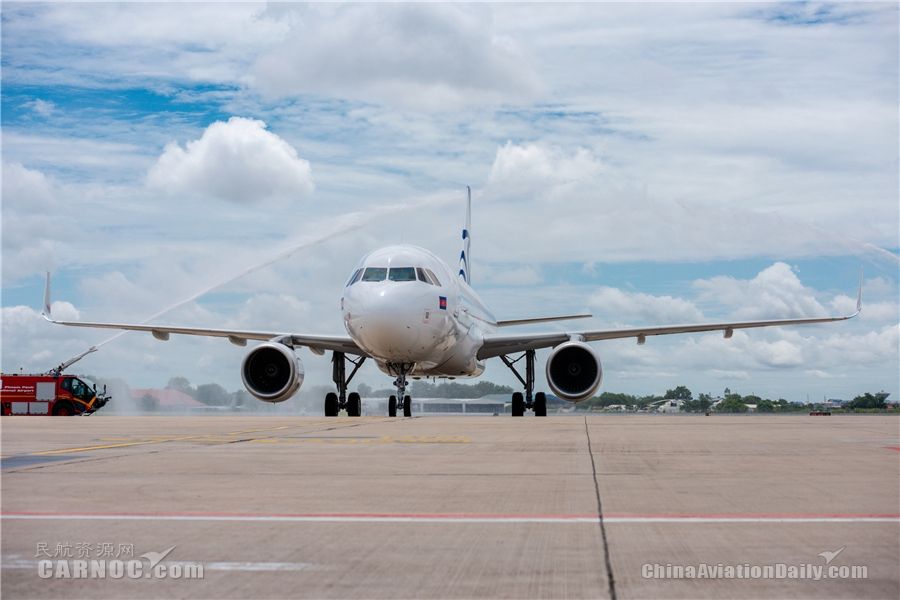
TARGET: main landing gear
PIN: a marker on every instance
(402, 400)
(537, 402)
(351, 402)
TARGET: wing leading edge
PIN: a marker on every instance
(499, 344)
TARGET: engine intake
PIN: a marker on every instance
(574, 371)
(272, 372)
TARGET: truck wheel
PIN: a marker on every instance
(63, 409)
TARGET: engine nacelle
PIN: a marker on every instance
(272, 372)
(574, 371)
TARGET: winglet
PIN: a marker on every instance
(45, 312)
(859, 293)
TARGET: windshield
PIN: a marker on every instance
(375, 274)
(402, 274)
(434, 278)
(355, 277)
(80, 389)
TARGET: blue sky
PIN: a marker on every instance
(649, 163)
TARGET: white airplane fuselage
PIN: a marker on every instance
(437, 324)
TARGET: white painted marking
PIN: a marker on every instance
(11, 562)
(255, 566)
(452, 519)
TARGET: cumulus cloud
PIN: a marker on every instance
(419, 56)
(32, 344)
(638, 307)
(238, 160)
(776, 292)
(31, 234)
(538, 166)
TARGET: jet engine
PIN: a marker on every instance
(272, 372)
(574, 371)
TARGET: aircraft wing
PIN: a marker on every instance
(500, 344)
(316, 343)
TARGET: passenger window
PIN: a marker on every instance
(375, 274)
(420, 272)
(402, 274)
(434, 278)
(355, 277)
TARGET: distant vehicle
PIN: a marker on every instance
(415, 316)
(49, 394)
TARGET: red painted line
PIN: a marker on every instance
(423, 516)
(897, 448)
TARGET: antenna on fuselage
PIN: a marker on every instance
(465, 268)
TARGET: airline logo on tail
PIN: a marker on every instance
(464, 272)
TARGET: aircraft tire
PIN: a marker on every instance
(354, 405)
(392, 406)
(331, 404)
(407, 406)
(518, 404)
(540, 404)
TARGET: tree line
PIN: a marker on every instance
(213, 394)
(732, 402)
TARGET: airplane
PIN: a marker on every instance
(414, 316)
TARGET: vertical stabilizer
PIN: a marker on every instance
(465, 265)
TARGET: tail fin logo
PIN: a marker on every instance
(464, 270)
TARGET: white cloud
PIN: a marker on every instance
(31, 228)
(534, 167)
(776, 292)
(418, 56)
(32, 344)
(238, 160)
(139, 42)
(877, 312)
(640, 308)
(43, 108)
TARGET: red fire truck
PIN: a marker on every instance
(49, 394)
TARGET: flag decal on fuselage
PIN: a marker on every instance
(442, 302)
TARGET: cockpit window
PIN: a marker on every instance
(402, 274)
(423, 276)
(434, 278)
(375, 274)
(356, 275)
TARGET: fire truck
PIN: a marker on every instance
(49, 394)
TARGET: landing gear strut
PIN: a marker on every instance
(536, 402)
(351, 402)
(402, 400)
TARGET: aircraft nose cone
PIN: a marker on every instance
(388, 326)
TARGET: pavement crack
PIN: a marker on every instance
(611, 580)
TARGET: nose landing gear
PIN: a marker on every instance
(536, 402)
(335, 402)
(402, 400)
